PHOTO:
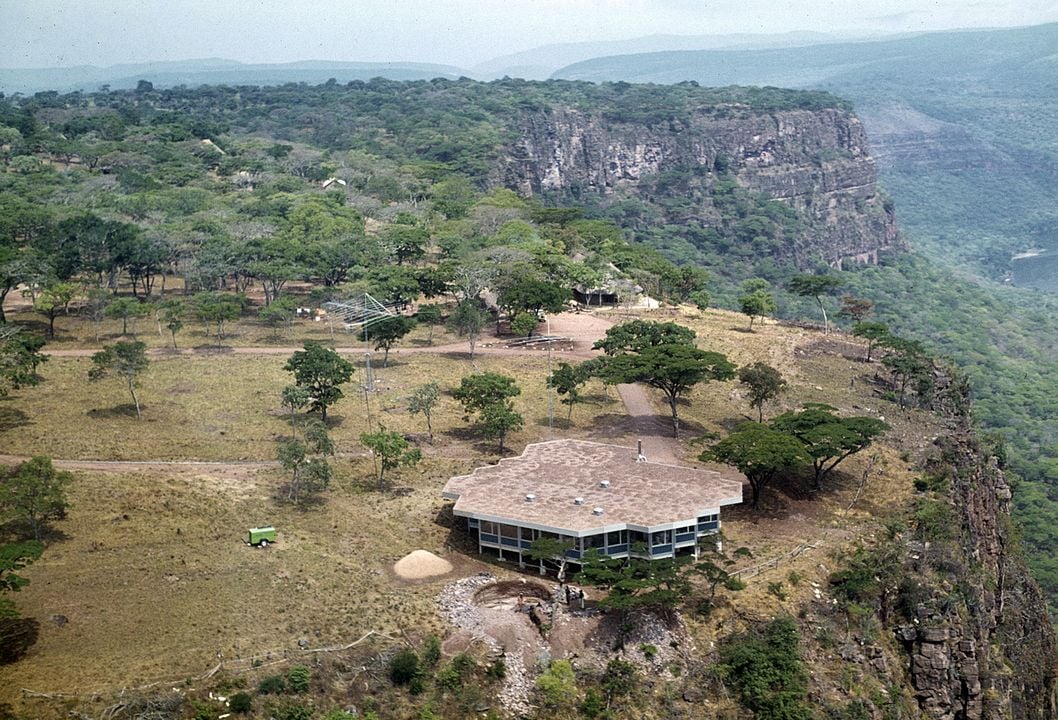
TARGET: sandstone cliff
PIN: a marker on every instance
(815, 161)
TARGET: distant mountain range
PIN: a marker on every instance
(212, 71)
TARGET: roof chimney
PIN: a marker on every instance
(578, 501)
(597, 511)
(604, 483)
(640, 457)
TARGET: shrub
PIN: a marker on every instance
(431, 652)
(497, 670)
(240, 702)
(272, 685)
(594, 706)
(294, 711)
(298, 679)
(557, 683)
(404, 667)
(649, 651)
(620, 676)
(766, 671)
(339, 714)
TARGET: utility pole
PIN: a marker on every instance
(550, 393)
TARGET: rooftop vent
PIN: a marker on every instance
(530, 497)
(640, 457)
(578, 501)
(597, 511)
(604, 483)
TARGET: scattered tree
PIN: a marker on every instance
(756, 300)
(467, 320)
(35, 492)
(390, 451)
(306, 460)
(873, 332)
(815, 286)
(14, 557)
(423, 400)
(429, 315)
(127, 360)
(829, 438)
(321, 371)
(662, 357)
(763, 382)
(387, 332)
(55, 299)
(127, 308)
(567, 381)
(859, 309)
(488, 394)
(759, 452)
(20, 355)
(524, 323)
(171, 312)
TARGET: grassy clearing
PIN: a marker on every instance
(154, 579)
(226, 407)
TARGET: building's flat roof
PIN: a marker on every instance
(641, 494)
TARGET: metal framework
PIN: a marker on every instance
(358, 313)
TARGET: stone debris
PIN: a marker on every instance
(456, 604)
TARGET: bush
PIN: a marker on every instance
(272, 685)
(765, 669)
(298, 679)
(649, 651)
(431, 652)
(497, 670)
(240, 702)
(404, 667)
(294, 711)
(621, 676)
(558, 683)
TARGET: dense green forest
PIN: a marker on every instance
(383, 187)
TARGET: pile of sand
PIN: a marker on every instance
(421, 564)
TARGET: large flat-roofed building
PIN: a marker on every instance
(594, 496)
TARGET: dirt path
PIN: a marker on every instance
(654, 429)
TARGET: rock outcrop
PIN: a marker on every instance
(815, 161)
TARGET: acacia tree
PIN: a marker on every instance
(127, 360)
(430, 315)
(35, 492)
(873, 332)
(759, 452)
(127, 308)
(390, 451)
(763, 382)
(20, 355)
(828, 438)
(660, 355)
(422, 400)
(321, 371)
(815, 286)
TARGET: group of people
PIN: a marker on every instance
(574, 595)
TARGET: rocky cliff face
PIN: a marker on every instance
(982, 645)
(815, 161)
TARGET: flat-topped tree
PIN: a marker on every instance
(827, 437)
(661, 355)
(321, 371)
(759, 452)
(815, 286)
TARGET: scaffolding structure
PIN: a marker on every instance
(358, 315)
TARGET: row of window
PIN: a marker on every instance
(509, 535)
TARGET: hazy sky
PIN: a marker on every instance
(49, 33)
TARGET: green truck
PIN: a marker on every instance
(261, 536)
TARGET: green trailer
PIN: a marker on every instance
(261, 536)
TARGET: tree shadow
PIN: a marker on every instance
(12, 417)
(17, 636)
(118, 411)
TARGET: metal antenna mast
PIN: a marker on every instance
(358, 315)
